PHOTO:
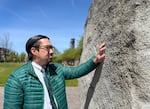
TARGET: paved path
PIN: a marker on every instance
(1, 97)
(73, 94)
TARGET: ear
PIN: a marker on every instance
(33, 50)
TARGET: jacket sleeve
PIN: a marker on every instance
(79, 71)
(13, 94)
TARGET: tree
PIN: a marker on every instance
(5, 44)
(12, 57)
(22, 57)
(71, 54)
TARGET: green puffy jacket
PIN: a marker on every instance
(23, 89)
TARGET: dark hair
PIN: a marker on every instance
(33, 42)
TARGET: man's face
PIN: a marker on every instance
(44, 53)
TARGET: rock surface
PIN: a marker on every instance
(123, 80)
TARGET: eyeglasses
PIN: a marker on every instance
(47, 47)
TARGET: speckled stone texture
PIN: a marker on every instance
(123, 80)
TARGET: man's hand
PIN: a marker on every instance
(100, 56)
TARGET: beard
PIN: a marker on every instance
(50, 57)
(50, 60)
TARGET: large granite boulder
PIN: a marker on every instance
(122, 81)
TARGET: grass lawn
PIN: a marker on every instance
(7, 68)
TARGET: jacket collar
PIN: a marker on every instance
(51, 69)
(30, 69)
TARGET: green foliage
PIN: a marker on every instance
(13, 56)
(71, 53)
(22, 57)
(80, 44)
(58, 58)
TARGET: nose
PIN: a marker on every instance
(51, 51)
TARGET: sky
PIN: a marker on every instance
(60, 20)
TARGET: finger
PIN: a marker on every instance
(102, 45)
(100, 57)
(102, 50)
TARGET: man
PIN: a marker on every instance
(29, 87)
